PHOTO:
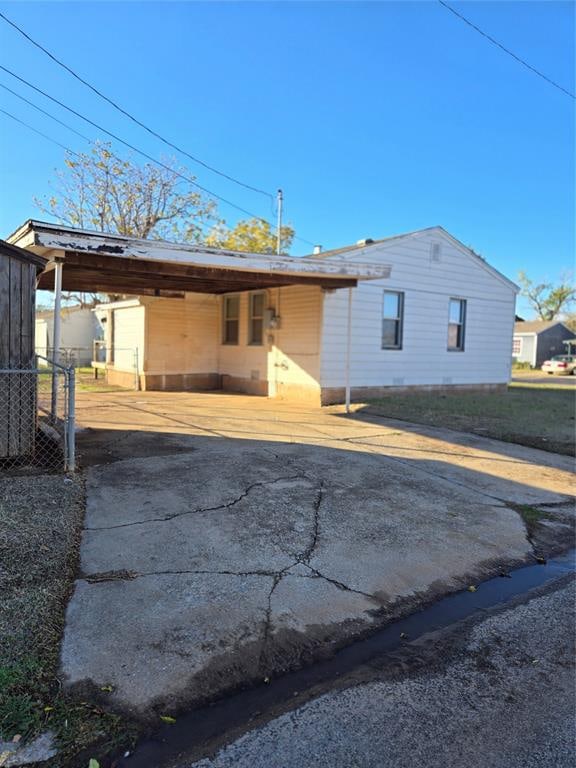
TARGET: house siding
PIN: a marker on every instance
(78, 329)
(428, 285)
(181, 338)
(286, 365)
(294, 367)
(243, 367)
(527, 350)
(128, 338)
(550, 343)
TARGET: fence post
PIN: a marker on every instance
(71, 422)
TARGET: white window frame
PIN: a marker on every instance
(252, 317)
(520, 341)
(226, 320)
(461, 324)
(399, 320)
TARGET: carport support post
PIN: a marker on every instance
(71, 421)
(348, 349)
(56, 335)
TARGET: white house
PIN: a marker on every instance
(444, 318)
(79, 328)
(419, 310)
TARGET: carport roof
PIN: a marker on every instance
(96, 261)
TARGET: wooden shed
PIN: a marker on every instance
(18, 272)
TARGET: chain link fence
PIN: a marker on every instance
(123, 360)
(37, 413)
(119, 364)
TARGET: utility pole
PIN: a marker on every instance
(280, 200)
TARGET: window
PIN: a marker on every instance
(517, 346)
(456, 325)
(231, 315)
(256, 319)
(392, 320)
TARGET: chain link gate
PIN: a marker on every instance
(37, 417)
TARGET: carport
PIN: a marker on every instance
(84, 261)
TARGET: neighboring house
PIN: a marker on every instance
(537, 341)
(79, 327)
(415, 311)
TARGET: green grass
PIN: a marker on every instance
(531, 515)
(528, 414)
(543, 385)
(85, 381)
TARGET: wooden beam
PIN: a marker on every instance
(94, 272)
(143, 267)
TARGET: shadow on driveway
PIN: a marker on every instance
(228, 543)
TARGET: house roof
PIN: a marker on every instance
(69, 309)
(97, 261)
(21, 254)
(367, 242)
(536, 326)
(365, 246)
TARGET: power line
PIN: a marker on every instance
(44, 112)
(506, 50)
(44, 135)
(139, 151)
(201, 225)
(129, 115)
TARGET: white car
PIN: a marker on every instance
(560, 365)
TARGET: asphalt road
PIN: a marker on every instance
(497, 693)
(543, 378)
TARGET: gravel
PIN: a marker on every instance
(502, 696)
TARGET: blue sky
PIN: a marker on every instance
(375, 118)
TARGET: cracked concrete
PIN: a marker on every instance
(253, 538)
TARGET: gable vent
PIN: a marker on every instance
(435, 252)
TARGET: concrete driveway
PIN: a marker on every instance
(229, 538)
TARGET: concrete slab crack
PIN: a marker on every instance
(267, 631)
(340, 585)
(305, 556)
(227, 505)
(124, 575)
(120, 575)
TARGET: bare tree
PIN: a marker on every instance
(548, 300)
(103, 192)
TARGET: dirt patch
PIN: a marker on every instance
(549, 528)
(41, 519)
(40, 526)
(96, 447)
